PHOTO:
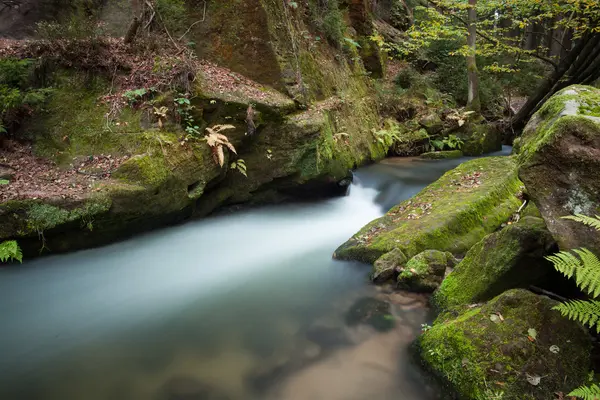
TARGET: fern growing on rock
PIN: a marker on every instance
(584, 267)
(217, 142)
(9, 251)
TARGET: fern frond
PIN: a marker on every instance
(588, 276)
(586, 312)
(594, 222)
(565, 262)
(591, 392)
(10, 250)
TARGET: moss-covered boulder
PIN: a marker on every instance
(425, 271)
(388, 265)
(560, 160)
(452, 214)
(432, 123)
(515, 344)
(510, 258)
(480, 138)
(442, 155)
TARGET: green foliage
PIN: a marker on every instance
(239, 165)
(388, 135)
(328, 18)
(10, 250)
(4, 182)
(585, 267)
(173, 14)
(137, 95)
(451, 142)
(184, 108)
(591, 392)
(594, 222)
(80, 23)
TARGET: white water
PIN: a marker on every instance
(223, 300)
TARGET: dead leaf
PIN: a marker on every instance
(554, 349)
(533, 379)
(532, 334)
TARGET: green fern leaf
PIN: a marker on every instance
(565, 262)
(591, 392)
(594, 222)
(588, 276)
(586, 312)
(10, 250)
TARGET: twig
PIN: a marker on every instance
(188, 30)
(163, 24)
(545, 292)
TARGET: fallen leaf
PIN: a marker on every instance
(532, 333)
(534, 379)
(554, 349)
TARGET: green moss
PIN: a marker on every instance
(425, 271)
(386, 266)
(442, 155)
(512, 257)
(451, 214)
(144, 169)
(473, 353)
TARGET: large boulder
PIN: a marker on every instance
(480, 138)
(510, 258)
(452, 214)
(560, 160)
(425, 271)
(515, 344)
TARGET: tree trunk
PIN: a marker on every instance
(473, 102)
(580, 65)
(132, 31)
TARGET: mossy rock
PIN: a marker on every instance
(388, 265)
(559, 163)
(486, 350)
(372, 312)
(510, 258)
(451, 214)
(480, 138)
(425, 271)
(432, 123)
(442, 155)
(412, 142)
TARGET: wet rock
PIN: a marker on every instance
(560, 160)
(452, 214)
(510, 258)
(372, 312)
(388, 265)
(442, 155)
(475, 353)
(480, 138)
(432, 123)
(189, 388)
(425, 271)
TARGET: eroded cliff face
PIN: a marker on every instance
(298, 101)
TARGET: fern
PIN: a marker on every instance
(591, 392)
(594, 222)
(10, 250)
(216, 140)
(584, 266)
(586, 312)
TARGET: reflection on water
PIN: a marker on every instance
(244, 306)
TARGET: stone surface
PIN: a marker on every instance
(425, 271)
(372, 312)
(485, 350)
(510, 258)
(560, 160)
(451, 214)
(388, 265)
(442, 155)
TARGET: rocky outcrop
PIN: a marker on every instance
(510, 258)
(442, 155)
(560, 160)
(304, 119)
(515, 344)
(425, 271)
(451, 214)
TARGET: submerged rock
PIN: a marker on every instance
(452, 214)
(188, 388)
(370, 311)
(388, 265)
(560, 160)
(510, 258)
(515, 344)
(425, 271)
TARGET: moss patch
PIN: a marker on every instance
(475, 355)
(425, 271)
(510, 258)
(451, 214)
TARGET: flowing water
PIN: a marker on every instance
(242, 306)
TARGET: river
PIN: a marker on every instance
(247, 305)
